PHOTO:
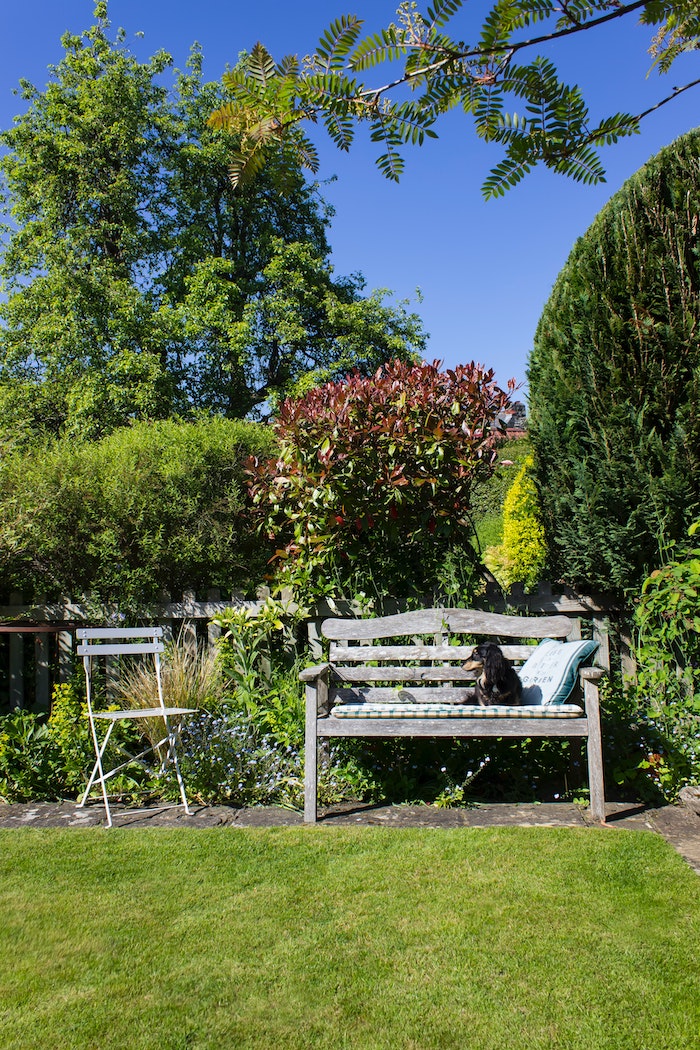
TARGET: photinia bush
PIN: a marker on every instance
(373, 480)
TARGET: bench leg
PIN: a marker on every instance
(311, 757)
(595, 753)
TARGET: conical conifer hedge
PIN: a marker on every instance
(615, 381)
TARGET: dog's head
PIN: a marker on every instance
(482, 657)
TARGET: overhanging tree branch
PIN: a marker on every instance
(553, 126)
(479, 54)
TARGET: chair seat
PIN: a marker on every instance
(143, 712)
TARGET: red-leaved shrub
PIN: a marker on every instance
(372, 483)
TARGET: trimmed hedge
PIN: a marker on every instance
(614, 381)
(152, 507)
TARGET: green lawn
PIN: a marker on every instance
(333, 938)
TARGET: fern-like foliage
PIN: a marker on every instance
(385, 46)
(261, 66)
(550, 125)
(442, 11)
(337, 42)
(264, 109)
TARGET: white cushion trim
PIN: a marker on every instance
(437, 710)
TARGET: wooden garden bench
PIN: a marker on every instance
(401, 675)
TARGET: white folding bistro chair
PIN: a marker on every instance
(96, 643)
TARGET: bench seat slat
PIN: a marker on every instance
(458, 727)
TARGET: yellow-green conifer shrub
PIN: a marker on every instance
(521, 556)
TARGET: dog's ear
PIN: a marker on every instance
(492, 663)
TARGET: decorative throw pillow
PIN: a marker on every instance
(550, 674)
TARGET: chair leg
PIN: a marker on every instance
(99, 770)
(172, 754)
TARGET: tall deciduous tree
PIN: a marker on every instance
(615, 380)
(139, 285)
(85, 190)
(501, 65)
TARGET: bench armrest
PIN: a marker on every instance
(310, 674)
(591, 674)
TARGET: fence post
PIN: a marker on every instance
(213, 629)
(41, 675)
(65, 656)
(601, 635)
(188, 631)
(313, 631)
(16, 663)
(627, 659)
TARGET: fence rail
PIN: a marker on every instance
(37, 640)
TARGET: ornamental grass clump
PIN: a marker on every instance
(191, 677)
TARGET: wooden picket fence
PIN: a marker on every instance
(37, 642)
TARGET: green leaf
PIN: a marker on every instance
(261, 66)
(385, 46)
(442, 11)
(338, 40)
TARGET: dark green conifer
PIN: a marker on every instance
(615, 380)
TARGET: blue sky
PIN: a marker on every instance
(484, 269)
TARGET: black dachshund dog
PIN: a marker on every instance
(497, 682)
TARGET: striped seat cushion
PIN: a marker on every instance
(437, 710)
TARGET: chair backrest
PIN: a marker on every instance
(96, 642)
(115, 641)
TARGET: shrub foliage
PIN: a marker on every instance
(373, 481)
(667, 688)
(152, 507)
(615, 380)
(521, 556)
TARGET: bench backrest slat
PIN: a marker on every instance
(341, 654)
(448, 621)
(386, 673)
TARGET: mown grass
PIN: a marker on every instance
(347, 938)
